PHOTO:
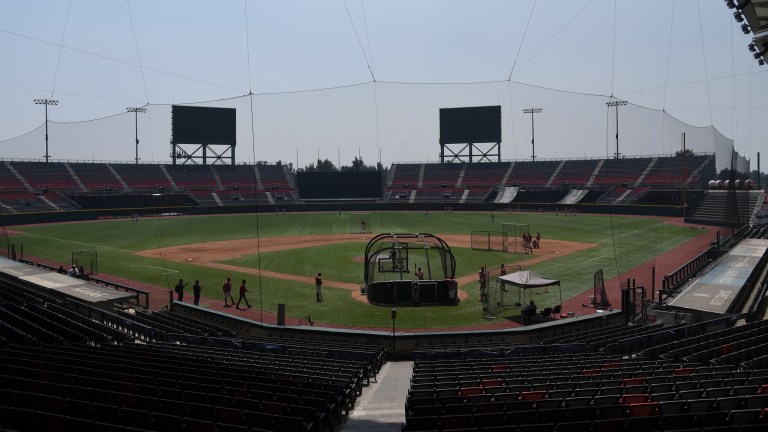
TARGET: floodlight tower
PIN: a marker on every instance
(616, 103)
(136, 111)
(46, 102)
(533, 111)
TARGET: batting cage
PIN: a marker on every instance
(488, 240)
(88, 259)
(513, 236)
(394, 262)
(360, 223)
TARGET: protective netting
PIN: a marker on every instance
(388, 122)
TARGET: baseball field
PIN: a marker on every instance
(279, 254)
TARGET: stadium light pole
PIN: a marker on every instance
(46, 102)
(616, 103)
(136, 111)
(533, 111)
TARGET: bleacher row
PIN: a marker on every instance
(554, 388)
(65, 365)
(444, 180)
(40, 186)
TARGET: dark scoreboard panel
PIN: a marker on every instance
(204, 125)
(333, 185)
(470, 125)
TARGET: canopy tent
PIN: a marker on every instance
(527, 279)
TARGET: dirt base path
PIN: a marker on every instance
(664, 264)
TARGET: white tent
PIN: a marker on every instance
(527, 279)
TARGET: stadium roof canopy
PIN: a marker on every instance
(755, 12)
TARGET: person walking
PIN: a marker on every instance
(482, 278)
(196, 288)
(228, 293)
(243, 290)
(179, 288)
(319, 287)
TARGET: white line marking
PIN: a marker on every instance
(593, 259)
(635, 231)
(155, 267)
(78, 243)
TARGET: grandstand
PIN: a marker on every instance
(35, 186)
(681, 345)
(71, 363)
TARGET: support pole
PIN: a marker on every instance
(136, 111)
(533, 111)
(46, 102)
(616, 103)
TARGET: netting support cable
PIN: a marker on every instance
(704, 58)
(101, 56)
(522, 40)
(253, 154)
(61, 48)
(555, 35)
(359, 42)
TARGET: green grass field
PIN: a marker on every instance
(619, 241)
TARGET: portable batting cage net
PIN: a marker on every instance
(360, 223)
(88, 259)
(500, 297)
(488, 240)
(391, 270)
(513, 236)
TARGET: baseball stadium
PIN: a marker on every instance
(518, 258)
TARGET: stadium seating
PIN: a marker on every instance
(532, 173)
(576, 172)
(673, 170)
(96, 177)
(63, 370)
(441, 175)
(484, 175)
(149, 177)
(188, 177)
(22, 202)
(616, 171)
(217, 185)
(47, 176)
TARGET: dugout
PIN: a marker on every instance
(392, 261)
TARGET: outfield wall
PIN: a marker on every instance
(404, 344)
(9, 219)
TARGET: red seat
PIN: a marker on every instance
(469, 391)
(492, 382)
(629, 399)
(532, 395)
(632, 381)
(643, 409)
(683, 371)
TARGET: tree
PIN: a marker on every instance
(686, 152)
(358, 165)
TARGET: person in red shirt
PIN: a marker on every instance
(483, 287)
(228, 293)
(243, 290)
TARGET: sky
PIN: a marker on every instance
(342, 78)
